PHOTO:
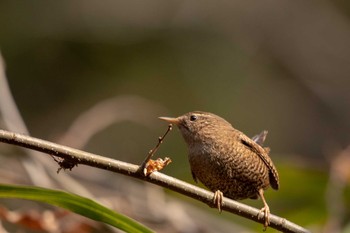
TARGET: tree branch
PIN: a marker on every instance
(81, 157)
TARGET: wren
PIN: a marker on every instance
(225, 160)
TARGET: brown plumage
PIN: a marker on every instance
(225, 160)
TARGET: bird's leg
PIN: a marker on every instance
(265, 210)
(218, 199)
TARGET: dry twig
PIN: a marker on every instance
(143, 167)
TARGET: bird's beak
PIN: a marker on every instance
(172, 120)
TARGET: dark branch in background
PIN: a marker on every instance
(82, 157)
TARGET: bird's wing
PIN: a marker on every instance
(263, 154)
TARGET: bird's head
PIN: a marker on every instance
(198, 126)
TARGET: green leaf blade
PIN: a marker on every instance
(77, 204)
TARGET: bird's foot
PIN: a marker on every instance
(265, 211)
(218, 199)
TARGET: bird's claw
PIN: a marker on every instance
(266, 215)
(218, 199)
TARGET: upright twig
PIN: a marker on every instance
(154, 150)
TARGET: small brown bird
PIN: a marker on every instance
(225, 160)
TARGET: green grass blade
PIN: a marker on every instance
(80, 205)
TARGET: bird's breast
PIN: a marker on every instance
(235, 171)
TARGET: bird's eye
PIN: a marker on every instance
(193, 117)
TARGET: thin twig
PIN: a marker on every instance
(154, 150)
(158, 178)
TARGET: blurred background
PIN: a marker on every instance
(96, 75)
